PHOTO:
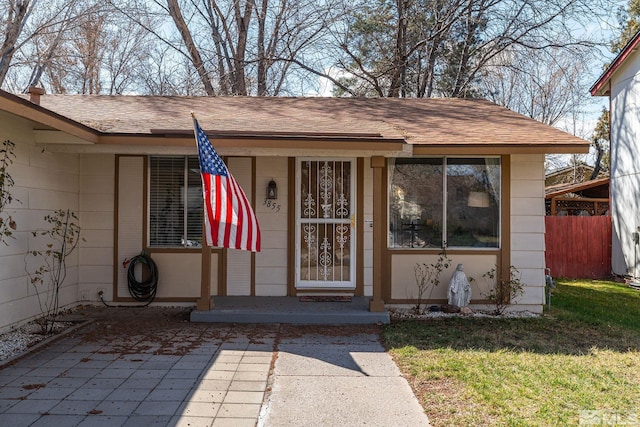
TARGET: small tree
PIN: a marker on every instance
(61, 239)
(503, 292)
(600, 140)
(7, 224)
(428, 277)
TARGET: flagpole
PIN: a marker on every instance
(205, 302)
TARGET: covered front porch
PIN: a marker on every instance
(294, 310)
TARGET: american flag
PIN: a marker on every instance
(229, 218)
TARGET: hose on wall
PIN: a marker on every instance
(143, 290)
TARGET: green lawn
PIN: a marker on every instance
(547, 371)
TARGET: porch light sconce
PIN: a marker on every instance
(272, 190)
(478, 199)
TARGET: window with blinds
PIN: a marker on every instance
(175, 202)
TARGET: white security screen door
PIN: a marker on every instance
(325, 212)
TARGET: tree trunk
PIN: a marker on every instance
(400, 55)
(262, 57)
(222, 51)
(598, 162)
(426, 91)
(42, 63)
(242, 22)
(18, 14)
(196, 59)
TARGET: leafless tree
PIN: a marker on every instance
(79, 46)
(443, 47)
(46, 47)
(126, 51)
(15, 13)
(408, 48)
(108, 52)
(174, 10)
(33, 32)
(163, 74)
(69, 48)
(250, 47)
(546, 85)
(550, 86)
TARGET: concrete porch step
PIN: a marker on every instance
(291, 310)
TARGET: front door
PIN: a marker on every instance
(325, 212)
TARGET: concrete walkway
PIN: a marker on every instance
(146, 367)
(338, 376)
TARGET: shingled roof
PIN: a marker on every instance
(428, 124)
(430, 121)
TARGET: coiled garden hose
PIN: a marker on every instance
(142, 290)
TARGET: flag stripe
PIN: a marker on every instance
(229, 221)
(243, 227)
(240, 237)
(218, 230)
(228, 210)
(209, 221)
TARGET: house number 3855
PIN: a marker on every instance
(271, 204)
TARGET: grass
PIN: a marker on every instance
(545, 371)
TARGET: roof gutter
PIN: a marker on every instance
(292, 142)
(499, 149)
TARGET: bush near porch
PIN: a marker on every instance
(580, 362)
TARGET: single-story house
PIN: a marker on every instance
(621, 83)
(365, 189)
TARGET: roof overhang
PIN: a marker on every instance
(273, 145)
(602, 87)
(270, 145)
(232, 145)
(27, 110)
(562, 189)
(500, 149)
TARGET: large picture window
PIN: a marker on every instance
(444, 202)
(175, 202)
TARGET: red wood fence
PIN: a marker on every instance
(578, 247)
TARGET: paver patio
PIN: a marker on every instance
(152, 367)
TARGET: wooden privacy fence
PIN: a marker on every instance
(578, 247)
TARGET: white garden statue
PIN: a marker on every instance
(459, 288)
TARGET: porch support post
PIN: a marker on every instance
(205, 301)
(378, 163)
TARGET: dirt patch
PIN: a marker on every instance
(447, 404)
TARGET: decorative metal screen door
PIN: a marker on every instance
(325, 211)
